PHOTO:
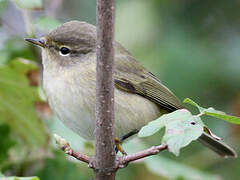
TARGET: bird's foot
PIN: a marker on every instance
(119, 147)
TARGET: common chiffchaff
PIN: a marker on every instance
(69, 70)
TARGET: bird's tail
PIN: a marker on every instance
(217, 146)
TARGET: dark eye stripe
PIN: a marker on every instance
(73, 52)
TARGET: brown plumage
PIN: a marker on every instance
(69, 81)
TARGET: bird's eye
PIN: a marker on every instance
(64, 51)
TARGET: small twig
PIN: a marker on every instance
(77, 155)
(65, 146)
(122, 161)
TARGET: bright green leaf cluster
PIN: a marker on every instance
(181, 128)
(214, 113)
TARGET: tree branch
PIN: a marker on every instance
(79, 156)
(124, 160)
(65, 146)
(121, 161)
(105, 156)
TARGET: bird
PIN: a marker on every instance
(69, 80)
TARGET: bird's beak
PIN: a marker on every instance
(39, 42)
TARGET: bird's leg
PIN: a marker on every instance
(118, 146)
(118, 141)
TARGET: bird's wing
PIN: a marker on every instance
(132, 77)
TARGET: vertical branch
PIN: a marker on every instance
(105, 156)
(28, 22)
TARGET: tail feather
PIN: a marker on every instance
(217, 146)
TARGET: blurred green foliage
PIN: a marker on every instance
(6, 141)
(46, 24)
(17, 103)
(29, 4)
(20, 178)
(61, 169)
(192, 46)
(13, 48)
(3, 4)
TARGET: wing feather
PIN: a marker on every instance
(132, 77)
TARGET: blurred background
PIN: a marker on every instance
(192, 46)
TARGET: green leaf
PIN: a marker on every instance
(189, 101)
(29, 4)
(228, 118)
(46, 24)
(17, 99)
(151, 128)
(181, 128)
(214, 113)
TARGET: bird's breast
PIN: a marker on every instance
(72, 99)
(71, 95)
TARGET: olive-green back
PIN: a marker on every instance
(132, 77)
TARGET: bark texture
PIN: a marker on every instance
(105, 156)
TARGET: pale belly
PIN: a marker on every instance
(76, 108)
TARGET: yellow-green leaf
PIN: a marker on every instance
(214, 113)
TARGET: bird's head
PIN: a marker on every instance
(67, 44)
